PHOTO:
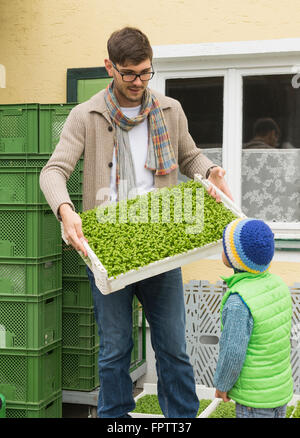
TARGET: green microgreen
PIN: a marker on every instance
(154, 226)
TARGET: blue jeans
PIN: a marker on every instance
(163, 302)
(247, 412)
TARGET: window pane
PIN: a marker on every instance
(202, 102)
(271, 148)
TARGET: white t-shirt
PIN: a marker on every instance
(138, 138)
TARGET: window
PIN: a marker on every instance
(238, 84)
(271, 148)
(202, 102)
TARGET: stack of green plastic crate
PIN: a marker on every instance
(30, 270)
(30, 263)
(80, 341)
(48, 333)
(80, 333)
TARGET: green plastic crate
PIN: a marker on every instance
(51, 408)
(30, 323)
(21, 186)
(29, 376)
(79, 329)
(80, 369)
(19, 180)
(19, 129)
(77, 293)
(29, 231)
(75, 182)
(136, 351)
(78, 203)
(72, 264)
(30, 277)
(80, 365)
(52, 118)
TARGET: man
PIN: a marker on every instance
(133, 139)
(266, 134)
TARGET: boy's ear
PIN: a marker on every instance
(225, 260)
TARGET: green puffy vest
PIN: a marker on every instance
(266, 377)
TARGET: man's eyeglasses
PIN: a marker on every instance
(131, 77)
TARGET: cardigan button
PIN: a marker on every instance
(110, 128)
(110, 164)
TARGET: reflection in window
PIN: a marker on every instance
(202, 102)
(271, 148)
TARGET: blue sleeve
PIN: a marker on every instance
(237, 329)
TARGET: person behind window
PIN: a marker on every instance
(266, 134)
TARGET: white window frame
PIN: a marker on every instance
(232, 60)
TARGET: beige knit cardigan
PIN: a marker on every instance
(88, 131)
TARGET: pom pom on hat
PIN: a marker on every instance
(248, 245)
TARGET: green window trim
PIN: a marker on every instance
(76, 74)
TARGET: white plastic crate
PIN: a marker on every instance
(203, 392)
(203, 330)
(108, 285)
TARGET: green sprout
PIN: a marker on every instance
(151, 227)
(148, 404)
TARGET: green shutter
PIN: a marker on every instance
(86, 88)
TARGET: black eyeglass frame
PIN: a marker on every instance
(134, 74)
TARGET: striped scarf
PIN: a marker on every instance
(160, 156)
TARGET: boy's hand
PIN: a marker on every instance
(222, 395)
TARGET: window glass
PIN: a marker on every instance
(202, 102)
(271, 148)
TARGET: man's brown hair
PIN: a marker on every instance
(129, 46)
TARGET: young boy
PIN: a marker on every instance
(254, 359)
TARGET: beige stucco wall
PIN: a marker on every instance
(40, 39)
(212, 270)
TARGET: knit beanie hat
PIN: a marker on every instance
(248, 245)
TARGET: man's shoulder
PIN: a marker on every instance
(94, 103)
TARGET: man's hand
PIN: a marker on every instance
(72, 227)
(216, 176)
(222, 395)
